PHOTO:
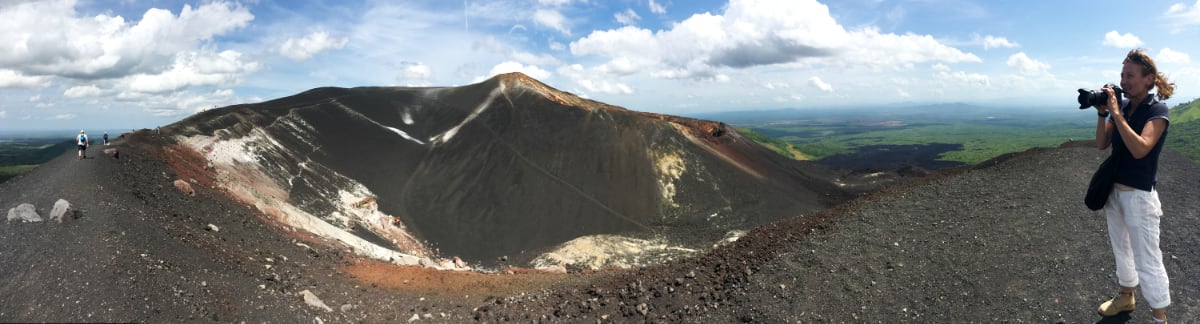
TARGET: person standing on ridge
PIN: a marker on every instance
(1136, 129)
(82, 143)
(105, 138)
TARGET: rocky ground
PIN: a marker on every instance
(1009, 241)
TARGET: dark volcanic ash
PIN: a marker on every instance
(508, 169)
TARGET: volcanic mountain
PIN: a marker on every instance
(508, 169)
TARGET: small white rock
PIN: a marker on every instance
(61, 209)
(25, 213)
(312, 300)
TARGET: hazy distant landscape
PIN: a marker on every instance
(19, 154)
(931, 136)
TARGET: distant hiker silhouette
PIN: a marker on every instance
(82, 142)
(105, 138)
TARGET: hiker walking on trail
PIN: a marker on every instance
(1136, 129)
(105, 138)
(82, 142)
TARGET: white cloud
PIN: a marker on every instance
(619, 66)
(63, 116)
(556, 46)
(657, 8)
(534, 59)
(1025, 65)
(195, 69)
(49, 38)
(3, 114)
(415, 75)
(300, 49)
(960, 77)
(183, 102)
(90, 90)
(820, 84)
(556, 2)
(553, 19)
(1127, 40)
(869, 48)
(1181, 15)
(14, 79)
(604, 86)
(990, 42)
(509, 66)
(627, 17)
(753, 33)
(776, 85)
(593, 82)
(1167, 55)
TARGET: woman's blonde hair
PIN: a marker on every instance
(1165, 88)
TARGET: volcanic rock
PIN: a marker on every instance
(61, 210)
(312, 300)
(25, 213)
(184, 187)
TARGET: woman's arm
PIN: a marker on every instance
(1140, 144)
(1103, 129)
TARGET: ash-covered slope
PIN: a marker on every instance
(504, 168)
(1009, 241)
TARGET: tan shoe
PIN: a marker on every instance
(1116, 305)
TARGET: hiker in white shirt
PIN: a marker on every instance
(82, 142)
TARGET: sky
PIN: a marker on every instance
(79, 64)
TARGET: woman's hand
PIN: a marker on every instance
(1111, 104)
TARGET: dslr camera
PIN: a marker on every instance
(1088, 98)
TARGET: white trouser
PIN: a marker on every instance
(1133, 217)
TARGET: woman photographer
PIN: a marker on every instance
(1136, 129)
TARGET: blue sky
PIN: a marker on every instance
(132, 64)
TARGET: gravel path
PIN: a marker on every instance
(1008, 243)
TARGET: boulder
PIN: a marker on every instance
(62, 209)
(24, 213)
(185, 187)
